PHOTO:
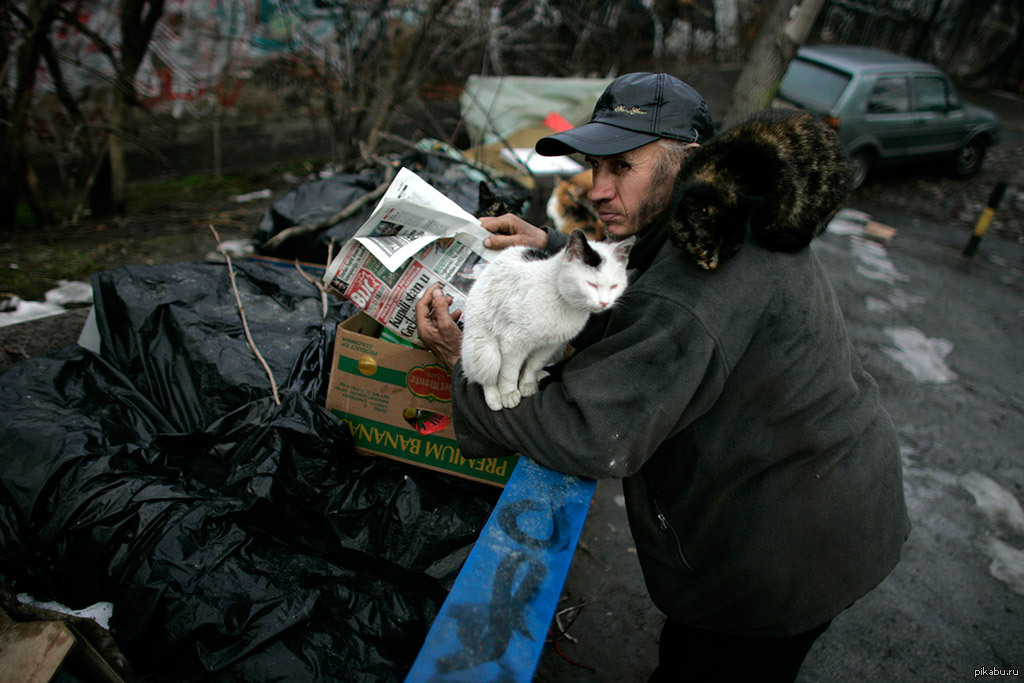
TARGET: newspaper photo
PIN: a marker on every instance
(415, 237)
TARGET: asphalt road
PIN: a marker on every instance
(941, 335)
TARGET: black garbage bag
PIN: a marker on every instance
(175, 332)
(236, 538)
(311, 202)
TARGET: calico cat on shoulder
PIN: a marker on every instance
(569, 208)
(780, 175)
(528, 304)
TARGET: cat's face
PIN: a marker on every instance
(710, 222)
(594, 276)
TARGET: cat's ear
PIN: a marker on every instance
(623, 248)
(485, 191)
(690, 200)
(575, 248)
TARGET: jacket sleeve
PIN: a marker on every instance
(556, 239)
(656, 369)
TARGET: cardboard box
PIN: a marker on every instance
(879, 232)
(396, 401)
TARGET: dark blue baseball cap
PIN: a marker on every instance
(636, 109)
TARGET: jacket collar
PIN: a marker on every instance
(647, 246)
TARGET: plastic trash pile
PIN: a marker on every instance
(237, 539)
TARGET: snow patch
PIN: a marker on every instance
(1003, 509)
(1007, 564)
(29, 310)
(67, 293)
(998, 504)
(875, 263)
(101, 612)
(848, 222)
(922, 357)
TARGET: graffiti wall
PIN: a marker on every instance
(203, 51)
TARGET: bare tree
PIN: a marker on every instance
(22, 45)
(785, 29)
(381, 57)
(26, 47)
(138, 20)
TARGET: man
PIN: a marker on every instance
(762, 477)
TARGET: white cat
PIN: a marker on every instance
(528, 304)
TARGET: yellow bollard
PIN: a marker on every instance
(985, 219)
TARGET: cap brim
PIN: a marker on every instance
(594, 138)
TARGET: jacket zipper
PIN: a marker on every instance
(665, 526)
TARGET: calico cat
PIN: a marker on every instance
(528, 304)
(497, 201)
(569, 209)
(782, 175)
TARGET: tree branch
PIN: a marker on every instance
(350, 210)
(241, 313)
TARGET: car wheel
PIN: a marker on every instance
(860, 162)
(967, 161)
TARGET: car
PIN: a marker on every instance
(888, 108)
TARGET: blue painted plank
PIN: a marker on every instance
(493, 625)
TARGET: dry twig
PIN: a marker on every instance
(316, 282)
(241, 312)
(350, 210)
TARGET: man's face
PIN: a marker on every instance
(632, 189)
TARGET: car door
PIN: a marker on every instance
(887, 114)
(938, 118)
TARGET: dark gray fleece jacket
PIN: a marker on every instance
(762, 477)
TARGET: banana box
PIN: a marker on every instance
(396, 401)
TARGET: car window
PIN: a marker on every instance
(930, 94)
(889, 96)
(812, 86)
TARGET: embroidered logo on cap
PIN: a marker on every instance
(631, 111)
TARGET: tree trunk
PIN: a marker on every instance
(39, 16)
(138, 21)
(121, 121)
(776, 43)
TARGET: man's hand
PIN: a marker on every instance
(436, 326)
(512, 231)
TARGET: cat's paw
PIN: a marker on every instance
(511, 398)
(493, 398)
(529, 385)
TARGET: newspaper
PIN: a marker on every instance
(415, 237)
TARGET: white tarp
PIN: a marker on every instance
(497, 106)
